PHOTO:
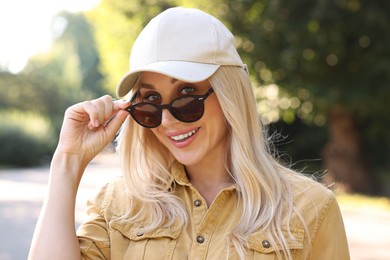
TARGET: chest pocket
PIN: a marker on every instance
(261, 247)
(131, 244)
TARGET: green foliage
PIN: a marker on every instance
(51, 82)
(26, 139)
(73, 59)
(325, 53)
(40, 94)
(337, 50)
(78, 36)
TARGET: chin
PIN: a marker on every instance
(187, 159)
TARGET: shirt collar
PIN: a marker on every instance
(180, 176)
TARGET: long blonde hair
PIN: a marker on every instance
(263, 185)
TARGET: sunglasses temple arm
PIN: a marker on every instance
(208, 93)
(132, 101)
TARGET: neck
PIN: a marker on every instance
(209, 177)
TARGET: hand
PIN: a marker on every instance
(90, 126)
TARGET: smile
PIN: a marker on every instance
(184, 136)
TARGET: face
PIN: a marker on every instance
(198, 142)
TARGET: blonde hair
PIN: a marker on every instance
(263, 185)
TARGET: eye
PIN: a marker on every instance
(187, 90)
(152, 98)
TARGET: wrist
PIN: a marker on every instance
(68, 165)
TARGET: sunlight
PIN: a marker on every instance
(25, 28)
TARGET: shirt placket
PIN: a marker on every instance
(205, 222)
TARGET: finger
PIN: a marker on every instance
(100, 110)
(91, 109)
(108, 107)
(115, 123)
(117, 107)
(103, 107)
(121, 105)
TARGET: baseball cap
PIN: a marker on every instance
(183, 43)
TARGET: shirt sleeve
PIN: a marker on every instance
(330, 241)
(93, 235)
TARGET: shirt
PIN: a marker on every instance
(103, 236)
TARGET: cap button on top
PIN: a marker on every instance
(197, 202)
(266, 244)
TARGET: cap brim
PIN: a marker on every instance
(180, 70)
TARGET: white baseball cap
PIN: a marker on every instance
(183, 43)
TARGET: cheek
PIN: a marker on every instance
(214, 112)
(215, 119)
(159, 136)
(155, 133)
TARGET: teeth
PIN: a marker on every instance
(183, 136)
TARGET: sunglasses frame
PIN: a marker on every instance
(168, 106)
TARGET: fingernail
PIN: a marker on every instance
(96, 122)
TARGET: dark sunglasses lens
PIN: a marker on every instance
(188, 109)
(147, 115)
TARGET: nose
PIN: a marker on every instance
(167, 118)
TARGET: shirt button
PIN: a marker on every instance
(197, 202)
(140, 234)
(200, 239)
(266, 244)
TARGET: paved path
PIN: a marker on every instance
(22, 192)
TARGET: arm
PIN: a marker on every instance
(84, 134)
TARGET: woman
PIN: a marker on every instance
(198, 179)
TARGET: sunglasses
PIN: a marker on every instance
(189, 108)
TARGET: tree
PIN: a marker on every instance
(69, 71)
(338, 53)
(50, 82)
(77, 33)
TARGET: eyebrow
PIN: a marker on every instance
(146, 85)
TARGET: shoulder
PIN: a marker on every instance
(310, 190)
(311, 199)
(112, 198)
(316, 208)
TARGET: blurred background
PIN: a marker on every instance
(320, 71)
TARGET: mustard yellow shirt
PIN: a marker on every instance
(205, 237)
